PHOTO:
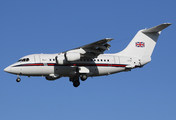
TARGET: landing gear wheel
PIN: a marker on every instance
(83, 77)
(18, 79)
(76, 83)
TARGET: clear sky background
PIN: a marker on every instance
(43, 26)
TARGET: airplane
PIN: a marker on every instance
(89, 60)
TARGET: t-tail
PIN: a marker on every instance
(142, 45)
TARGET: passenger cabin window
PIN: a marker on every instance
(94, 59)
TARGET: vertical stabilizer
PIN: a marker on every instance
(142, 45)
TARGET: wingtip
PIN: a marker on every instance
(167, 24)
(109, 38)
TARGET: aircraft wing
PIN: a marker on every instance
(93, 49)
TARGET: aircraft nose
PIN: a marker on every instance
(7, 69)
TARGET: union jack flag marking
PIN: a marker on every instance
(140, 44)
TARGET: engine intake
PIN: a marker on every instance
(60, 59)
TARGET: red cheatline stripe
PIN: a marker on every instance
(53, 64)
(37, 64)
(113, 65)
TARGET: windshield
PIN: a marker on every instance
(23, 60)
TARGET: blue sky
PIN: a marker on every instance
(43, 26)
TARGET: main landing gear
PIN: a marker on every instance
(76, 81)
(83, 77)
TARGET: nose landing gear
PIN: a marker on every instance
(18, 79)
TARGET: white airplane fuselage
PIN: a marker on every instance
(45, 65)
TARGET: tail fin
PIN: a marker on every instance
(143, 43)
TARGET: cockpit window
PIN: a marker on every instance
(19, 60)
(27, 59)
(23, 60)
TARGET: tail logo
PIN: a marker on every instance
(140, 44)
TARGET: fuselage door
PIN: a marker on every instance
(37, 59)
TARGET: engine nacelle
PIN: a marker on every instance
(67, 57)
(72, 56)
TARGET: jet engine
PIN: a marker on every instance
(67, 57)
(72, 56)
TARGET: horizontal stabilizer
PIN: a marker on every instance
(156, 28)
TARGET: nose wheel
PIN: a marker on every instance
(18, 79)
